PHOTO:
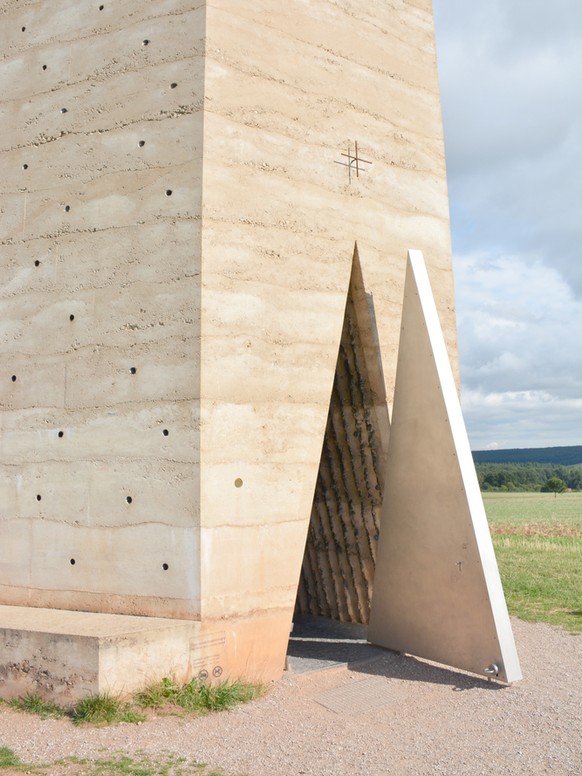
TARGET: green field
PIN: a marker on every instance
(538, 543)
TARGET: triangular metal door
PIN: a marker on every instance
(437, 590)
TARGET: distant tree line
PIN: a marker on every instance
(508, 477)
(559, 456)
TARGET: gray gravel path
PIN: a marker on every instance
(407, 717)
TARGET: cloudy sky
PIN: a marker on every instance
(511, 86)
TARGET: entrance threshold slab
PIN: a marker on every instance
(319, 644)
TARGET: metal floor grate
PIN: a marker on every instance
(359, 697)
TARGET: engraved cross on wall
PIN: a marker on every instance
(353, 162)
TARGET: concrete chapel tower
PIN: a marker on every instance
(199, 203)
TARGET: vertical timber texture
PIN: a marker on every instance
(100, 202)
(337, 575)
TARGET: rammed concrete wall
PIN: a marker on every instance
(287, 87)
(100, 118)
(188, 211)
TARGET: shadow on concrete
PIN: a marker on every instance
(319, 644)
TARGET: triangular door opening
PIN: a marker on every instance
(337, 574)
(430, 572)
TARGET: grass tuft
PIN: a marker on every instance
(34, 704)
(104, 709)
(226, 695)
(156, 695)
(9, 759)
(196, 696)
(138, 763)
(145, 764)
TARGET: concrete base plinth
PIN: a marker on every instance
(64, 656)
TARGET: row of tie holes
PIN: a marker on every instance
(165, 566)
(101, 7)
(67, 208)
(141, 143)
(145, 42)
(238, 482)
(132, 371)
(129, 499)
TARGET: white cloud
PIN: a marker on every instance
(520, 419)
(520, 352)
(511, 85)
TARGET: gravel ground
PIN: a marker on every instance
(431, 721)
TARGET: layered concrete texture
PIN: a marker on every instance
(181, 199)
